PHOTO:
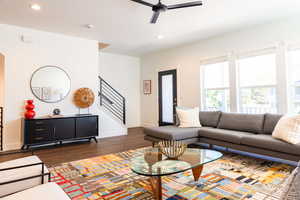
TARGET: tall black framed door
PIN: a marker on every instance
(167, 95)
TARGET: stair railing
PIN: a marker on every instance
(112, 100)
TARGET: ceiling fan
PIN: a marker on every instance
(159, 7)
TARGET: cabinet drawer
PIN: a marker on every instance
(39, 125)
(41, 130)
(40, 122)
(38, 131)
(40, 139)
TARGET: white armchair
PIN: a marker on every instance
(49, 191)
(21, 174)
(27, 179)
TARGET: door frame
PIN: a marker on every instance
(175, 95)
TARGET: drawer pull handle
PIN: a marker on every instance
(40, 129)
(39, 122)
(38, 138)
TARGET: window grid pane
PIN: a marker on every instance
(294, 81)
(257, 80)
(258, 100)
(217, 100)
(216, 87)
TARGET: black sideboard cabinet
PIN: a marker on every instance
(54, 130)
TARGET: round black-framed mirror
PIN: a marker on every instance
(50, 84)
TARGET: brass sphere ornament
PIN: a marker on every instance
(84, 98)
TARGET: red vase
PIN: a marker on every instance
(30, 113)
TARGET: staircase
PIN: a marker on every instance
(112, 100)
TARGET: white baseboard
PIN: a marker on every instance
(111, 134)
(12, 146)
(147, 124)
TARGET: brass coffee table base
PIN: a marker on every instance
(156, 183)
(156, 187)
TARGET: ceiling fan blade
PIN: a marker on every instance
(185, 5)
(154, 17)
(143, 2)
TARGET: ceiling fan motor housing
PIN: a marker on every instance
(159, 8)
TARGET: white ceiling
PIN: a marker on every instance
(125, 24)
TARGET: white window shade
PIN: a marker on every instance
(216, 75)
(257, 71)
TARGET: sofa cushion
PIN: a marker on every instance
(288, 129)
(242, 122)
(171, 132)
(49, 191)
(209, 119)
(188, 118)
(270, 122)
(265, 141)
(222, 134)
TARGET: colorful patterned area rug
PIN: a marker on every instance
(233, 177)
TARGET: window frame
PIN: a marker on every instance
(279, 50)
(290, 85)
(253, 54)
(203, 89)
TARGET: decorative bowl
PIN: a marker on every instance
(172, 148)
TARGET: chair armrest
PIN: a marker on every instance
(42, 175)
(21, 174)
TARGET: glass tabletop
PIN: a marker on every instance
(151, 162)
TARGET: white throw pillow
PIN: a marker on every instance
(188, 118)
(288, 129)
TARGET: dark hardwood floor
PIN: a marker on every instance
(76, 151)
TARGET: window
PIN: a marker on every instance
(257, 84)
(294, 80)
(216, 87)
(254, 82)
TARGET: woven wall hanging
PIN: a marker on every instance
(84, 98)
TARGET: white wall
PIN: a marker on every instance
(78, 57)
(187, 60)
(123, 73)
(2, 62)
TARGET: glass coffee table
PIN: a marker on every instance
(152, 163)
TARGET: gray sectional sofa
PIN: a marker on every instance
(245, 132)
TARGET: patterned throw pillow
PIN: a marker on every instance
(291, 189)
(188, 118)
(288, 129)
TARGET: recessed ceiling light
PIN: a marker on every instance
(35, 7)
(160, 37)
(89, 26)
